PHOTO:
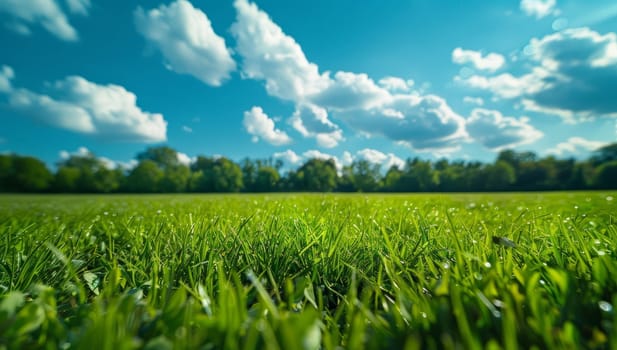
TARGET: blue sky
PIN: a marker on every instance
(375, 80)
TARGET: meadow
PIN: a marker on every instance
(309, 271)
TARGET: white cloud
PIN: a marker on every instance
(505, 85)
(80, 152)
(258, 124)
(185, 37)
(473, 100)
(395, 84)
(288, 156)
(85, 152)
(57, 113)
(184, 159)
(107, 111)
(385, 160)
(271, 55)
(575, 146)
(108, 163)
(497, 132)
(573, 74)
(46, 13)
(425, 123)
(312, 121)
(347, 158)
(187, 129)
(6, 75)
(351, 91)
(79, 7)
(538, 8)
(268, 54)
(490, 62)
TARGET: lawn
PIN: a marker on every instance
(309, 271)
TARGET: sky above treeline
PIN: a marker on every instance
(377, 80)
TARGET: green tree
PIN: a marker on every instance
(85, 173)
(267, 179)
(28, 174)
(163, 156)
(65, 179)
(605, 175)
(175, 179)
(605, 154)
(249, 174)
(216, 175)
(6, 168)
(452, 176)
(418, 175)
(499, 176)
(316, 175)
(392, 180)
(108, 180)
(144, 178)
(365, 175)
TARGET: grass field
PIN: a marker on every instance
(298, 271)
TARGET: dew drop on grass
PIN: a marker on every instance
(423, 314)
(446, 265)
(542, 282)
(487, 264)
(605, 306)
(609, 198)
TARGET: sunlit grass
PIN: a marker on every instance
(309, 271)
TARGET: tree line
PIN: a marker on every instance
(159, 171)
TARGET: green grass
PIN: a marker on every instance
(309, 271)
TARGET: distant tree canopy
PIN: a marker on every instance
(160, 169)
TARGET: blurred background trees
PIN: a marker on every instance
(161, 169)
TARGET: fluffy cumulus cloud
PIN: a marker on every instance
(46, 13)
(289, 157)
(80, 152)
(377, 157)
(351, 91)
(507, 85)
(184, 159)
(387, 108)
(538, 8)
(76, 104)
(496, 131)
(425, 123)
(490, 62)
(573, 74)
(184, 35)
(312, 121)
(395, 84)
(272, 56)
(473, 100)
(258, 124)
(575, 146)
